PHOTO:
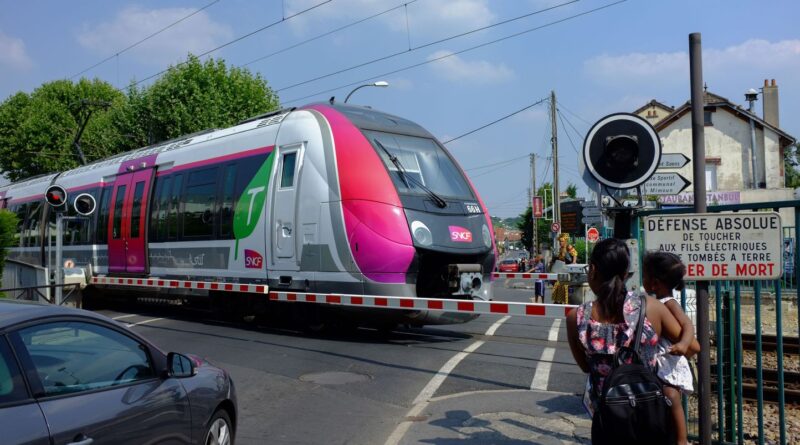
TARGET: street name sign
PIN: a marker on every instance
(673, 160)
(665, 184)
(592, 220)
(720, 246)
(591, 211)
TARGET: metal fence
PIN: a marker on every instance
(72, 294)
(755, 332)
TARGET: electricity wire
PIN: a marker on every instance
(496, 121)
(426, 45)
(134, 45)
(437, 59)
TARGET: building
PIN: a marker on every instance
(744, 152)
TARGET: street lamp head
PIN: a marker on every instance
(381, 83)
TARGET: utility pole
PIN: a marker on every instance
(554, 143)
(89, 106)
(530, 201)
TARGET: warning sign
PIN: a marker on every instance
(720, 246)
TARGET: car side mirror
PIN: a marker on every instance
(180, 366)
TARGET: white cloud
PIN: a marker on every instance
(752, 55)
(12, 53)
(196, 34)
(439, 15)
(456, 69)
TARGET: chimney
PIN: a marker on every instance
(770, 96)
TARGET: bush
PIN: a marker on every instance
(8, 228)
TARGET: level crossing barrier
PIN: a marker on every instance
(372, 301)
(532, 276)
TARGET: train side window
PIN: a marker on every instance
(33, 223)
(161, 203)
(116, 231)
(227, 202)
(155, 202)
(102, 215)
(287, 175)
(19, 210)
(172, 217)
(199, 200)
(136, 210)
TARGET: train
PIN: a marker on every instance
(321, 198)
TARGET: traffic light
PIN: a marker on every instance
(85, 204)
(621, 151)
(56, 196)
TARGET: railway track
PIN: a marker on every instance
(791, 382)
(769, 343)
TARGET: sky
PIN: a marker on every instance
(598, 56)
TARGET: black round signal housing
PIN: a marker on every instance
(622, 151)
(56, 196)
(85, 204)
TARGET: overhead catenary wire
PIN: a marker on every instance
(231, 42)
(566, 131)
(139, 42)
(437, 59)
(426, 45)
(513, 113)
(325, 34)
(561, 104)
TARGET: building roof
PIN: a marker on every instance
(711, 100)
(653, 103)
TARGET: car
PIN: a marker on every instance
(73, 377)
(509, 266)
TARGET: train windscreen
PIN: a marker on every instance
(417, 164)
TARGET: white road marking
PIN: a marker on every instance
(542, 374)
(124, 316)
(553, 335)
(130, 325)
(423, 399)
(497, 324)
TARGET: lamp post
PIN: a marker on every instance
(380, 83)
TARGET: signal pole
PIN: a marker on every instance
(530, 201)
(554, 143)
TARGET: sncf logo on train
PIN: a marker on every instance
(460, 234)
(253, 259)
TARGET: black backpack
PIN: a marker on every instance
(632, 408)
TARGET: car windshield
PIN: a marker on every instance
(509, 262)
(419, 162)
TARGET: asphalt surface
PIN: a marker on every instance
(469, 383)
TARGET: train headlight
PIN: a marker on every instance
(487, 236)
(422, 234)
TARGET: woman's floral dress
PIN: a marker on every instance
(601, 341)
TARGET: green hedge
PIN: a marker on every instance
(8, 228)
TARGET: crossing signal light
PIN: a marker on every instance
(56, 196)
(85, 204)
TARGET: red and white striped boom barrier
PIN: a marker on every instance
(531, 276)
(368, 301)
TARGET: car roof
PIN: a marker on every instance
(13, 312)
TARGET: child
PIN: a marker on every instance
(662, 273)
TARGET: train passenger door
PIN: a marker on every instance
(285, 205)
(127, 223)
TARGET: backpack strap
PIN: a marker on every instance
(637, 336)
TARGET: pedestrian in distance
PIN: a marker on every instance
(599, 331)
(538, 287)
(522, 265)
(568, 255)
(662, 273)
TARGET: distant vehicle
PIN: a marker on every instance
(325, 198)
(509, 266)
(69, 376)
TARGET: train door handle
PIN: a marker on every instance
(287, 230)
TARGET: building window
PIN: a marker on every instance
(711, 177)
(707, 118)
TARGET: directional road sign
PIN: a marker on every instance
(665, 184)
(591, 211)
(592, 220)
(673, 160)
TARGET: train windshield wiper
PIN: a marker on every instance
(441, 203)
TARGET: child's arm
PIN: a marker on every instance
(688, 345)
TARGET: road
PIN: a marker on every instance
(365, 386)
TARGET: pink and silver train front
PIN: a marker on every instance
(414, 223)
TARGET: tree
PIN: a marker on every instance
(8, 228)
(572, 191)
(191, 97)
(790, 164)
(37, 130)
(525, 224)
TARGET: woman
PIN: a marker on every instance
(568, 255)
(601, 327)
